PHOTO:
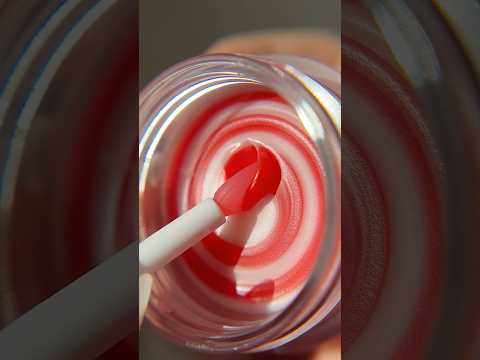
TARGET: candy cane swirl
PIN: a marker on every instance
(253, 266)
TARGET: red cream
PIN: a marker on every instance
(253, 173)
(255, 264)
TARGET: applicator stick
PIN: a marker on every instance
(173, 239)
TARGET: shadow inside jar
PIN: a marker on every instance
(229, 244)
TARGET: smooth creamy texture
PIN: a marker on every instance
(255, 264)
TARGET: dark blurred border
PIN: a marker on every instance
(68, 171)
(411, 160)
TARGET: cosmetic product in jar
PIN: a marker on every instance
(269, 276)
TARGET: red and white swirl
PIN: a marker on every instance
(254, 265)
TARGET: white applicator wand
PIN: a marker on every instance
(259, 176)
(173, 239)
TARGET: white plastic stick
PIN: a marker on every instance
(173, 239)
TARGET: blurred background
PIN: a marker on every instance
(171, 31)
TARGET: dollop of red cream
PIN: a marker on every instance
(252, 173)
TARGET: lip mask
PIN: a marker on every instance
(253, 266)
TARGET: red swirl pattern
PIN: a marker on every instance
(255, 264)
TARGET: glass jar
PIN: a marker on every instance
(168, 106)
